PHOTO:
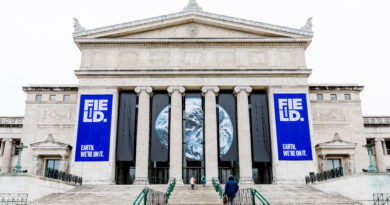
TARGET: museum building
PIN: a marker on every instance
(197, 94)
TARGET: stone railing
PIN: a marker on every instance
(325, 175)
(13, 198)
(11, 121)
(376, 120)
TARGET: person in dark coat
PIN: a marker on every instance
(231, 188)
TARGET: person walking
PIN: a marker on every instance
(192, 182)
(231, 188)
(203, 181)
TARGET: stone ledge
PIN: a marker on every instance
(36, 177)
(347, 87)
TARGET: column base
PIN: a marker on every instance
(141, 181)
(178, 181)
(246, 181)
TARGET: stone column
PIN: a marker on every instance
(64, 163)
(7, 156)
(211, 135)
(142, 155)
(2, 147)
(380, 158)
(351, 164)
(176, 134)
(244, 134)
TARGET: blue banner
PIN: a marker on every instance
(292, 127)
(94, 128)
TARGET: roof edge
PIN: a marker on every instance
(82, 33)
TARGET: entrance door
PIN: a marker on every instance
(334, 163)
(193, 172)
(159, 175)
(52, 164)
(224, 173)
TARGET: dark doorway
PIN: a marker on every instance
(262, 172)
(193, 169)
(159, 173)
(125, 173)
(224, 173)
(227, 169)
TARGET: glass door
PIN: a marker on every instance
(334, 163)
(52, 164)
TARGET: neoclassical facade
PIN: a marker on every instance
(191, 94)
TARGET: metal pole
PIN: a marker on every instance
(18, 168)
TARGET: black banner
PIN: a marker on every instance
(125, 147)
(227, 132)
(261, 148)
(193, 127)
(160, 127)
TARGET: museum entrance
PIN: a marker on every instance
(159, 173)
(262, 172)
(193, 169)
(125, 172)
(227, 169)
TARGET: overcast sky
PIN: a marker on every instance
(351, 39)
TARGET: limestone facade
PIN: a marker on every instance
(194, 51)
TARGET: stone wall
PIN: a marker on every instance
(45, 116)
(341, 116)
(35, 187)
(207, 56)
(359, 187)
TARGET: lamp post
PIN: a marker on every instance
(18, 168)
(371, 167)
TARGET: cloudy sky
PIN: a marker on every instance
(350, 45)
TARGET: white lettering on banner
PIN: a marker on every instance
(288, 109)
(289, 150)
(93, 110)
(89, 151)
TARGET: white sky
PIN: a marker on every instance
(350, 45)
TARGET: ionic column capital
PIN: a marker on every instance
(146, 89)
(379, 139)
(239, 88)
(214, 89)
(173, 89)
(7, 140)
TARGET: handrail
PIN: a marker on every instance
(142, 197)
(256, 194)
(218, 188)
(170, 189)
(325, 175)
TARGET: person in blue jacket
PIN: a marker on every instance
(231, 188)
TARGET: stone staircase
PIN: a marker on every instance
(97, 195)
(276, 194)
(183, 194)
(283, 194)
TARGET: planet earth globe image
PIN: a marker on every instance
(161, 126)
(193, 129)
(225, 131)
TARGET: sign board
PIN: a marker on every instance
(292, 127)
(94, 128)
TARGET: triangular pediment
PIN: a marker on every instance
(193, 30)
(49, 144)
(193, 24)
(336, 143)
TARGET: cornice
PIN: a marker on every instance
(194, 72)
(335, 87)
(16, 122)
(182, 43)
(376, 121)
(50, 88)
